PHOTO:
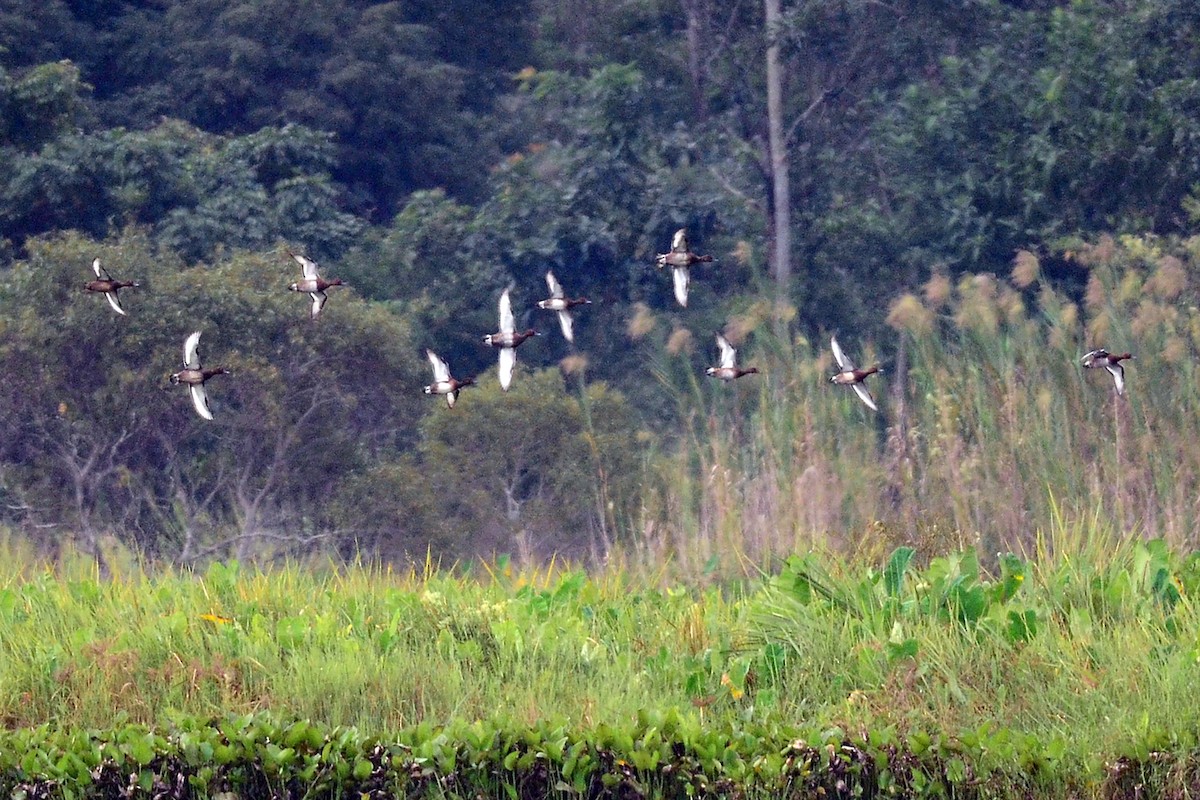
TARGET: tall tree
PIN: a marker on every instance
(781, 198)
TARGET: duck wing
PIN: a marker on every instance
(100, 271)
(200, 400)
(191, 358)
(842, 361)
(112, 301)
(728, 354)
(556, 290)
(506, 316)
(508, 360)
(564, 321)
(680, 277)
(450, 398)
(679, 242)
(1118, 373)
(307, 264)
(441, 370)
(318, 299)
(865, 396)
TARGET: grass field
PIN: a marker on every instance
(1089, 651)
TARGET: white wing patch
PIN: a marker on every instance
(1118, 373)
(200, 400)
(96, 267)
(308, 265)
(112, 301)
(318, 299)
(191, 358)
(680, 277)
(506, 316)
(556, 289)
(728, 354)
(679, 242)
(564, 321)
(865, 396)
(441, 371)
(508, 360)
(840, 357)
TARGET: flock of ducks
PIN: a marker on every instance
(193, 375)
(680, 259)
(507, 339)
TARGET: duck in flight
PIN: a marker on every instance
(108, 286)
(443, 382)
(562, 304)
(507, 340)
(312, 283)
(680, 259)
(849, 375)
(728, 370)
(194, 377)
(1102, 358)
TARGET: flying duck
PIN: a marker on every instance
(850, 376)
(194, 377)
(1112, 363)
(443, 383)
(561, 303)
(312, 283)
(728, 370)
(106, 285)
(680, 259)
(507, 340)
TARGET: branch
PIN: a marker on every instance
(733, 190)
(806, 113)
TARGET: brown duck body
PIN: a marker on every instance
(509, 339)
(315, 284)
(728, 370)
(443, 382)
(730, 373)
(106, 285)
(196, 377)
(1102, 359)
(851, 376)
(562, 303)
(685, 259)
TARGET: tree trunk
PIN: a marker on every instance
(777, 144)
(691, 10)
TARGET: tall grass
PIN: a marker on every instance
(989, 425)
(1092, 643)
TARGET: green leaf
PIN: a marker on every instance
(897, 567)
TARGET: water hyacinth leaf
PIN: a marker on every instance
(1012, 576)
(1022, 626)
(898, 646)
(968, 602)
(897, 566)
(141, 750)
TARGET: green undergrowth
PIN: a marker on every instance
(1068, 671)
(655, 755)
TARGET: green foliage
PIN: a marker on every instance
(545, 467)
(558, 682)
(93, 410)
